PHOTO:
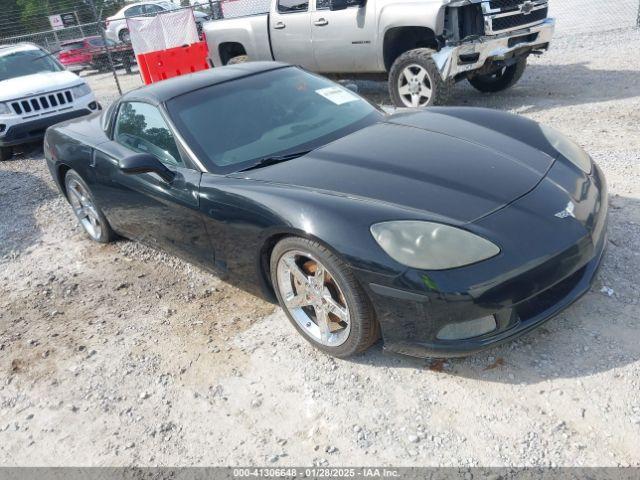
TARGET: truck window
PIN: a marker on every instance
(324, 4)
(291, 6)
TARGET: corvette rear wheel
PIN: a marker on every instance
(322, 298)
(88, 214)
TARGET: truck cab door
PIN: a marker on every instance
(290, 29)
(344, 40)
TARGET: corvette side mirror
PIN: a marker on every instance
(146, 163)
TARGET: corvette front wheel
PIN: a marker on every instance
(322, 298)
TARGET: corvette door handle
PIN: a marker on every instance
(279, 25)
(321, 22)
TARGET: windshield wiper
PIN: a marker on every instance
(266, 161)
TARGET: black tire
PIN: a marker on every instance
(106, 232)
(124, 36)
(6, 153)
(501, 80)
(441, 89)
(364, 329)
(238, 59)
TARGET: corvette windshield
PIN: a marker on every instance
(26, 62)
(232, 126)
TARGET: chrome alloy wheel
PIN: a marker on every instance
(313, 298)
(84, 209)
(414, 86)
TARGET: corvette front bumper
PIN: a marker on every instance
(453, 60)
(520, 291)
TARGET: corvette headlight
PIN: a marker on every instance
(4, 109)
(431, 246)
(572, 152)
(81, 90)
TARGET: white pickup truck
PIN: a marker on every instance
(423, 46)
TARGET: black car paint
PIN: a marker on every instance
(228, 223)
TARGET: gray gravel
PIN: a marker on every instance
(120, 355)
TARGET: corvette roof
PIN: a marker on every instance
(167, 89)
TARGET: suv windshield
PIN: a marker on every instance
(26, 62)
(234, 125)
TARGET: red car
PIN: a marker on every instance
(89, 53)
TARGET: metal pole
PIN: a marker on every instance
(75, 12)
(106, 45)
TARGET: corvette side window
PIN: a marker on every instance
(142, 128)
(291, 6)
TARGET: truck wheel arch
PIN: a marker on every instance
(398, 40)
(229, 50)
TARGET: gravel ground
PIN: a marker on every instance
(121, 355)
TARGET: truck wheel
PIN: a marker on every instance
(238, 59)
(502, 79)
(125, 36)
(414, 80)
(6, 153)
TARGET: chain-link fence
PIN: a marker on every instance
(589, 16)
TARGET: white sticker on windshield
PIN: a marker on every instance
(338, 95)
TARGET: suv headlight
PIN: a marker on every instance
(431, 246)
(4, 109)
(81, 90)
(572, 152)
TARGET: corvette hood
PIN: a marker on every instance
(463, 173)
(37, 83)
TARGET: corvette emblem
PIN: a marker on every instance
(568, 211)
(526, 8)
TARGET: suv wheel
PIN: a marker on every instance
(502, 79)
(415, 81)
(6, 153)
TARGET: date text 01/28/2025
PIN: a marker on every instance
(292, 472)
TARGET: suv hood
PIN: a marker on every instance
(36, 84)
(441, 173)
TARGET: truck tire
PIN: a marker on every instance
(415, 81)
(238, 59)
(6, 153)
(502, 79)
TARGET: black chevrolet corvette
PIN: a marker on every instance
(444, 231)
